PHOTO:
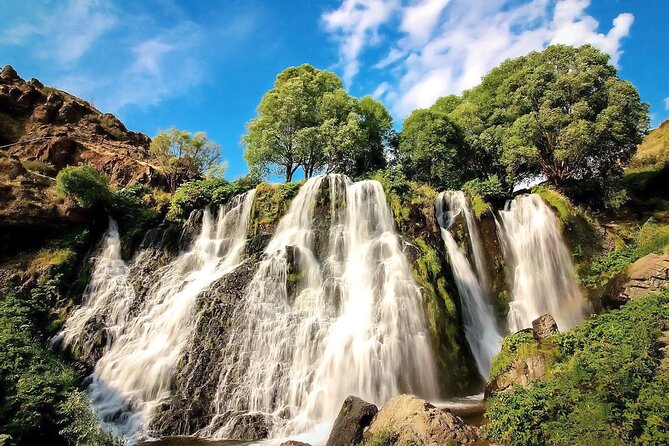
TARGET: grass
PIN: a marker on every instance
(40, 167)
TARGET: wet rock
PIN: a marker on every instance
(544, 327)
(294, 443)
(412, 420)
(354, 416)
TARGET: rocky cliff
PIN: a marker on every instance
(43, 130)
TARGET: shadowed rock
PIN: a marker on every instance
(354, 415)
(544, 327)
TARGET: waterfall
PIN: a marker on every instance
(543, 279)
(136, 370)
(481, 330)
(107, 297)
(309, 333)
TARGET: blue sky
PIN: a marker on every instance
(204, 65)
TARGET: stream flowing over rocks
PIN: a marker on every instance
(245, 336)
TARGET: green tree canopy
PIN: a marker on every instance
(307, 120)
(562, 113)
(183, 156)
(431, 149)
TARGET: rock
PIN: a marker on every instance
(9, 73)
(415, 421)
(544, 327)
(521, 373)
(294, 443)
(354, 416)
(646, 275)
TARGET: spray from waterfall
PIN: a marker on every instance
(543, 279)
(308, 333)
(481, 330)
(135, 372)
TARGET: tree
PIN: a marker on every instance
(182, 156)
(378, 135)
(307, 120)
(431, 149)
(279, 139)
(562, 113)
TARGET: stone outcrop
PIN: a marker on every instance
(530, 367)
(544, 327)
(354, 416)
(43, 130)
(411, 420)
(646, 275)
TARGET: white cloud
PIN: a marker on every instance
(67, 32)
(118, 57)
(446, 47)
(666, 103)
(356, 24)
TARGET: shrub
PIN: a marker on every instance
(81, 425)
(490, 189)
(41, 167)
(85, 185)
(603, 387)
(212, 191)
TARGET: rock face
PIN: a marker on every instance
(43, 130)
(521, 373)
(354, 416)
(412, 420)
(645, 276)
(55, 127)
(544, 327)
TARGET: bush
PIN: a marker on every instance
(81, 425)
(213, 191)
(85, 185)
(490, 189)
(37, 405)
(603, 388)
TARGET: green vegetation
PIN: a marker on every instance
(382, 438)
(652, 237)
(182, 156)
(307, 120)
(605, 385)
(40, 167)
(431, 148)
(208, 192)
(270, 204)
(85, 185)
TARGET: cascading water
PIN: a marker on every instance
(543, 279)
(481, 328)
(135, 372)
(108, 296)
(353, 325)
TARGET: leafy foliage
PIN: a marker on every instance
(600, 389)
(200, 193)
(182, 156)
(35, 385)
(85, 185)
(307, 120)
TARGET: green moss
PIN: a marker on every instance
(40, 167)
(385, 437)
(271, 202)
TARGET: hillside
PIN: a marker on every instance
(43, 130)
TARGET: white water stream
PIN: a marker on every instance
(353, 324)
(543, 279)
(481, 329)
(135, 372)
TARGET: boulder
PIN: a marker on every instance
(354, 416)
(646, 275)
(522, 372)
(294, 443)
(544, 327)
(412, 420)
(9, 73)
